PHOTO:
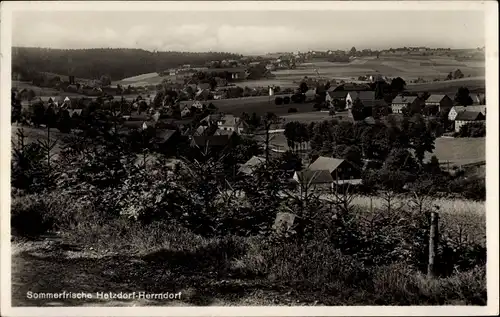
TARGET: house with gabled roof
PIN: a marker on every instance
(457, 109)
(439, 103)
(338, 96)
(309, 180)
(233, 124)
(339, 169)
(249, 166)
(365, 96)
(215, 142)
(401, 102)
(466, 117)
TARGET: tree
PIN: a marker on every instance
(458, 74)
(398, 84)
(450, 76)
(64, 122)
(420, 137)
(357, 110)
(352, 52)
(16, 108)
(37, 113)
(105, 80)
(463, 96)
(303, 87)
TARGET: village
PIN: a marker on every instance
(248, 176)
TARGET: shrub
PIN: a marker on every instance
(470, 188)
(472, 130)
(278, 101)
(292, 110)
(286, 100)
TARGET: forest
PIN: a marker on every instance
(94, 63)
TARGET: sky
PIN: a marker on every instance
(246, 32)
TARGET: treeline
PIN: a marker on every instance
(112, 62)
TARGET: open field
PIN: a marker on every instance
(450, 87)
(458, 151)
(407, 67)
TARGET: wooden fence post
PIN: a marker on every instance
(433, 244)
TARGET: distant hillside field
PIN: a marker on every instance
(409, 68)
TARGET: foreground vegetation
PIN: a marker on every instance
(193, 232)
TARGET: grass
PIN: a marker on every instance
(92, 254)
(458, 151)
(407, 67)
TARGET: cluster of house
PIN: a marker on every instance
(436, 103)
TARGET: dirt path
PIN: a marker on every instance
(50, 266)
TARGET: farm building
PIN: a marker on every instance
(439, 103)
(232, 123)
(401, 102)
(339, 96)
(467, 117)
(166, 140)
(313, 180)
(216, 142)
(250, 165)
(185, 111)
(192, 103)
(364, 96)
(457, 109)
(339, 169)
(211, 119)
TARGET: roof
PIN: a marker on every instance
(212, 118)
(481, 109)
(164, 135)
(366, 95)
(73, 111)
(210, 140)
(338, 94)
(228, 120)
(435, 98)
(313, 177)
(326, 163)
(404, 99)
(204, 86)
(469, 116)
(133, 124)
(373, 102)
(459, 108)
(137, 117)
(311, 93)
(251, 164)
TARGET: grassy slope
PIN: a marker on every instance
(407, 67)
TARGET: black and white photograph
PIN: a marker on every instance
(201, 157)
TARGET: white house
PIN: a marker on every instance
(232, 123)
(458, 109)
(466, 117)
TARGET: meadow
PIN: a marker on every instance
(407, 67)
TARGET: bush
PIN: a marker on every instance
(469, 188)
(278, 101)
(292, 110)
(286, 100)
(472, 130)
